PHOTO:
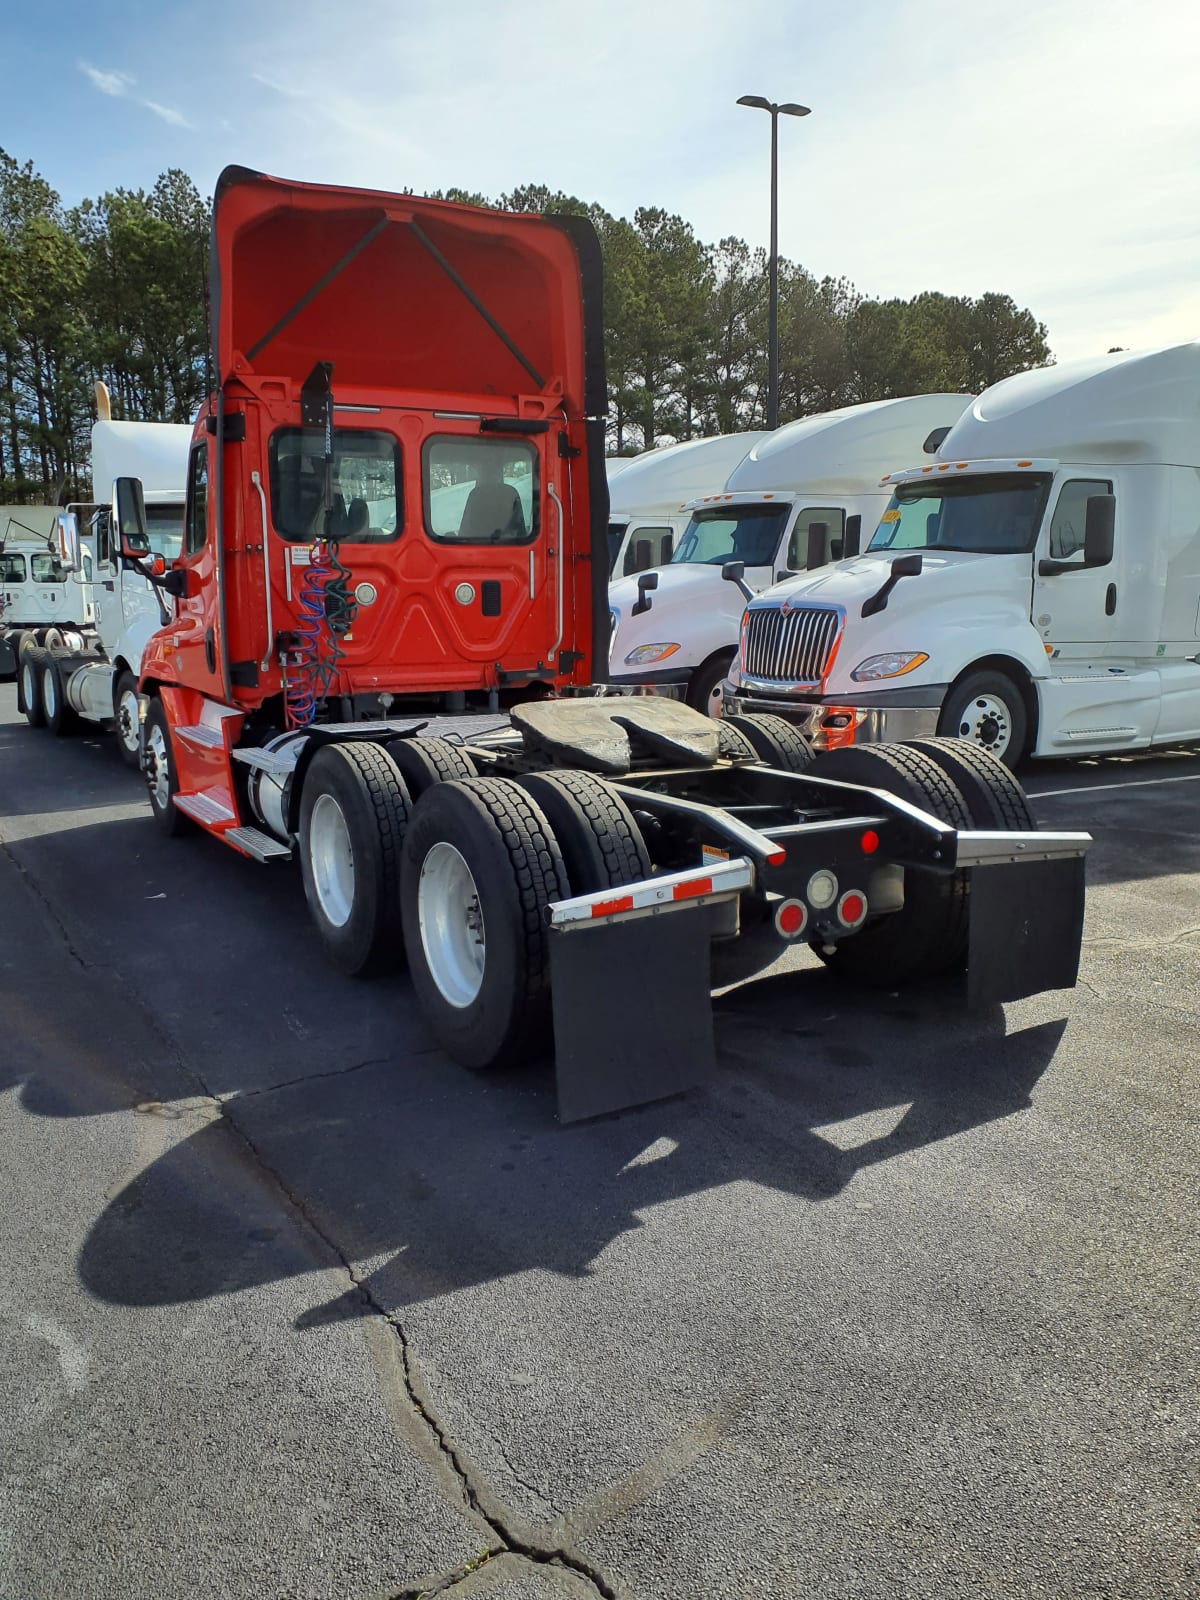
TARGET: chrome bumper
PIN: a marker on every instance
(843, 724)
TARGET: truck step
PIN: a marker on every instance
(258, 844)
(264, 761)
(203, 808)
(208, 738)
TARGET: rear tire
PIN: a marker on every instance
(732, 743)
(928, 936)
(158, 765)
(423, 762)
(481, 865)
(354, 809)
(994, 798)
(601, 844)
(126, 721)
(704, 688)
(776, 742)
(29, 686)
(60, 719)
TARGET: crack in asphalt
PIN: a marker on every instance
(315, 1077)
(476, 1496)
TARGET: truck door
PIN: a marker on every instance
(14, 575)
(1073, 610)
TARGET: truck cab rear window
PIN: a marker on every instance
(480, 491)
(367, 507)
(12, 568)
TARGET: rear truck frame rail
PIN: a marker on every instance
(644, 862)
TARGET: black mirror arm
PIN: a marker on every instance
(902, 567)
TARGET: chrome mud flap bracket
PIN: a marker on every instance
(1026, 912)
(630, 977)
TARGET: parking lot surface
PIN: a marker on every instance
(292, 1306)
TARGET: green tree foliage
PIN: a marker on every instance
(116, 289)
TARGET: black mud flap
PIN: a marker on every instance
(632, 1011)
(1026, 928)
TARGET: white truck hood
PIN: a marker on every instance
(693, 607)
(958, 597)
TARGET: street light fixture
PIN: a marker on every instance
(788, 109)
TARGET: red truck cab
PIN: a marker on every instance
(396, 491)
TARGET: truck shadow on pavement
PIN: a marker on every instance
(461, 1180)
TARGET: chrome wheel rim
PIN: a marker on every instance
(986, 720)
(716, 701)
(28, 686)
(451, 923)
(158, 768)
(127, 720)
(49, 694)
(331, 860)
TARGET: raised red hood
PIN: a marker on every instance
(395, 316)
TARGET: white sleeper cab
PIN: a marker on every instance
(1036, 588)
(797, 500)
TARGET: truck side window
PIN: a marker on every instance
(833, 516)
(195, 528)
(47, 569)
(480, 491)
(12, 568)
(656, 539)
(1070, 514)
(366, 485)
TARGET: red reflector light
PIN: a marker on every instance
(852, 909)
(869, 842)
(777, 858)
(689, 890)
(605, 908)
(791, 918)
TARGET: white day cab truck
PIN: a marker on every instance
(797, 500)
(648, 496)
(41, 598)
(90, 673)
(1035, 589)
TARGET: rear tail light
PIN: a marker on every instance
(822, 890)
(791, 918)
(852, 909)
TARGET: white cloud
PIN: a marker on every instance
(114, 83)
(175, 118)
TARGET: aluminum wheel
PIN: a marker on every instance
(28, 683)
(128, 730)
(986, 720)
(451, 923)
(331, 858)
(50, 693)
(158, 768)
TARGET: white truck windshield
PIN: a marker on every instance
(733, 533)
(996, 514)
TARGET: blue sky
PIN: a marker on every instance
(1050, 151)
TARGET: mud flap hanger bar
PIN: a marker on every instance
(650, 940)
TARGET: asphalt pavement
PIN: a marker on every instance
(291, 1306)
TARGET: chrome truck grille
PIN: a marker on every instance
(792, 646)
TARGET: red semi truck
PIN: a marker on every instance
(389, 612)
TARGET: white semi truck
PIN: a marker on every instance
(1035, 588)
(89, 670)
(788, 506)
(648, 494)
(40, 598)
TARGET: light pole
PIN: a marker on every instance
(789, 109)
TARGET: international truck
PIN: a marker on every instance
(41, 597)
(329, 689)
(647, 513)
(791, 504)
(87, 671)
(1035, 589)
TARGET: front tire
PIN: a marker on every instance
(126, 720)
(987, 709)
(704, 689)
(354, 810)
(158, 765)
(481, 865)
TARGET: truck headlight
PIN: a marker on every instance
(646, 653)
(893, 665)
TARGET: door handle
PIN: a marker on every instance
(1110, 600)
